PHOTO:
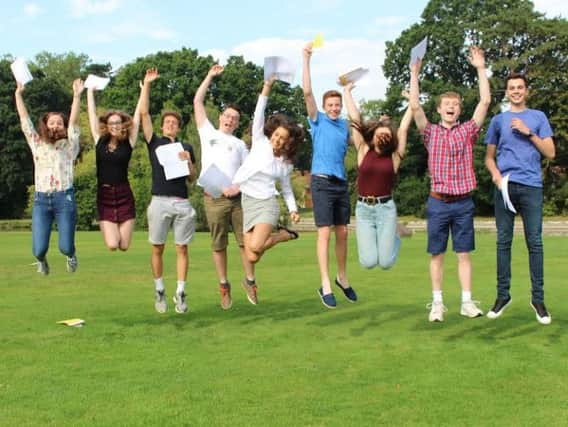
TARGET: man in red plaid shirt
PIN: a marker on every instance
(450, 162)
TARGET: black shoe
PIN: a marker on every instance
(541, 313)
(499, 307)
(349, 292)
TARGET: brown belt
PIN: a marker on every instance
(448, 198)
(373, 200)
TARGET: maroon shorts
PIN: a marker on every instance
(115, 203)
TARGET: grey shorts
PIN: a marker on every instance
(259, 211)
(170, 212)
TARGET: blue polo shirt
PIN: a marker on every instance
(516, 154)
(329, 139)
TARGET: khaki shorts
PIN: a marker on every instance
(224, 214)
(170, 212)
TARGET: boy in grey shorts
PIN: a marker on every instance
(169, 207)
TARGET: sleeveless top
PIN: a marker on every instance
(376, 175)
(112, 166)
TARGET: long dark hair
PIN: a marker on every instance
(48, 135)
(368, 128)
(295, 135)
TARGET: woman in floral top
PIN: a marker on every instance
(54, 148)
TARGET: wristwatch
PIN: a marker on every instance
(530, 135)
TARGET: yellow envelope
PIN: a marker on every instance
(318, 41)
(72, 322)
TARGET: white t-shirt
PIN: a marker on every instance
(227, 152)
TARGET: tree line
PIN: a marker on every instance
(513, 35)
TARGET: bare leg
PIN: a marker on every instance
(341, 253)
(260, 239)
(111, 234)
(323, 257)
(125, 230)
(248, 267)
(464, 270)
(220, 261)
(182, 261)
(437, 271)
(157, 260)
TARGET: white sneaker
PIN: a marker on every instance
(72, 264)
(470, 309)
(180, 302)
(160, 304)
(437, 310)
(42, 266)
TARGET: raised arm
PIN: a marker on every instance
(133, 134)
(477, 59)
(354, 115)
(402, 134)
(311, 105)
(92, 113)
(417, 111)
(78, 87)
(199, 98)
(144, 102)
(258, 117)
(20, 104)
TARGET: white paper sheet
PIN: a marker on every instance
(505, 193)
(213, 181)
(168, 156)
(352, 76)
(279, 66)
(96, 82)
(418, 51)
(21, 71)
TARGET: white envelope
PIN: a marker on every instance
(21, 71)
(418, 51)
(279, 66)
(96, 82)
(352, 76)
(168, 156)
(213, 181)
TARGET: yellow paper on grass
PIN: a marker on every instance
(318, 41)
(72, 322)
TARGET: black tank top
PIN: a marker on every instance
(112, 166)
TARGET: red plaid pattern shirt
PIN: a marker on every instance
(450, 157)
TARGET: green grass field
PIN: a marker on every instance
(286, 362)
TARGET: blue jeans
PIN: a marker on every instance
(58, 206)
(377, 241)
(528, 203)
(445, 217)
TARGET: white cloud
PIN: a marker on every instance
(32, 9)
(336, 57)
(552, 8)
(80, 8)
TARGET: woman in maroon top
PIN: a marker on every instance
(380, 149)
(115, 134)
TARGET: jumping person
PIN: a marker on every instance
(54, 148)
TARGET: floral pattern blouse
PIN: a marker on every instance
(53, 162)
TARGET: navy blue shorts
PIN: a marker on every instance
(330, 197)
(455, 216)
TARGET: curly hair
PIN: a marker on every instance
(367, 129)
(295, 135)
(49, 135)
(126, 124)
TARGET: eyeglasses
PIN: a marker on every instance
(114, 123)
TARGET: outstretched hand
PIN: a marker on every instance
(19, 88)
(415, 68)
(405, 94)
(308, 50)
(78, 86)
(295, 217)
(349, 87)
(215, 70)
(151, 75)
(271, 80)
(476, 57)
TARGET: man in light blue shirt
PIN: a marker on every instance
(330, 195)
(516, 142)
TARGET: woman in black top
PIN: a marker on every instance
(115, 134)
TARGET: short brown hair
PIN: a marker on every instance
(48, 135)
(233, 107)
(295, 135)
(449, 94)
(126, 124)
(171, 113)
(515, 76)
(331, 94)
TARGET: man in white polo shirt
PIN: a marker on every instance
(227, 152)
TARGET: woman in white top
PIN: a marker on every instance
(54, 148)
(274, 145)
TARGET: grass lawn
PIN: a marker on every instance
(286, 362)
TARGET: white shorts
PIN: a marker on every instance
(170, 212)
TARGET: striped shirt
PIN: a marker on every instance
(450, 157)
